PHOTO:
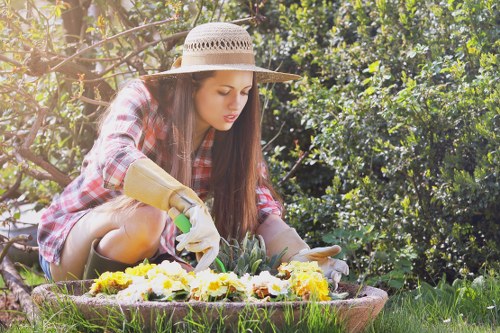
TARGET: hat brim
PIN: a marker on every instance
(262, 75)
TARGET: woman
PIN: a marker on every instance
(176, 139)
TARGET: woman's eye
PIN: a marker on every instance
(223, 93)
(245, 93)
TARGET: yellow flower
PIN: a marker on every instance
(110, 283)
(286, 269)
(172, 270)
(139, 270)
(166, 288)
(310, 285)
(209, 286)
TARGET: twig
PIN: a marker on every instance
(274, 137)
(294, 168)
(42, 111)
(13, 188)
(10, 242)
(56, 174)
(11, 61)
(106, 40)
(93, 101)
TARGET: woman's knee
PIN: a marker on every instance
(145, 225)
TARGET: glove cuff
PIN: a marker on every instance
(150, 184)
(287, 239)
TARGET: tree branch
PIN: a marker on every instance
(106, 40)
(13, 188)
(19, 289)
(56, 174)
(11, 61)
(294, 168)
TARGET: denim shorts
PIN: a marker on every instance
(45, 265)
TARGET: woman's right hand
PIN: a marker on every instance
(202, 238)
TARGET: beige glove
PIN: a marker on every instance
(149, 183)
(298, 250)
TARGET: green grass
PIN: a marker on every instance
(32, 276)
(465, 306)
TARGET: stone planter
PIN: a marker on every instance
(363, 305)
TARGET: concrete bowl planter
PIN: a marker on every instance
(356, 312)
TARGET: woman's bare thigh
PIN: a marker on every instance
(102, 222)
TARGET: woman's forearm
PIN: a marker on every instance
(271, 226)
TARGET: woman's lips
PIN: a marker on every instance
(231, 118)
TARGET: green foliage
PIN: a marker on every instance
(248, 256)
(400, 101)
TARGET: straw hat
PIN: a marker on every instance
(219, 47)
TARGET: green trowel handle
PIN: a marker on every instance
(182, 222)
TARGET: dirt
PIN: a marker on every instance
(10, 311)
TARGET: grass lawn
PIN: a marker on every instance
(465, 306)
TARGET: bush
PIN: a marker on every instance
(401, 100)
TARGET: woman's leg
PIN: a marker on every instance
(127, 235)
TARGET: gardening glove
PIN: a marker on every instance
(149, 183)
(332, 268)
(298, 250)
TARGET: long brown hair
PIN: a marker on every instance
(237, 160)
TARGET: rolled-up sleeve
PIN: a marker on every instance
(122, 133)
(266, 204)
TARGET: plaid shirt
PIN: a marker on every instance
(134, 129)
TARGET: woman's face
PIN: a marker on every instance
(221, 98)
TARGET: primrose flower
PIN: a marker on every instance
(173, 270)
(139, 270)
(167, 268)
(265, 284)
(136, 292)
(166, 288)
(286, 269)
(110, 283)
(310, 285)
(209, 286)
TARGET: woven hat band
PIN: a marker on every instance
(218, 59)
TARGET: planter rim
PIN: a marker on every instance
(49, 291)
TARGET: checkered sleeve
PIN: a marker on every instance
(266, 204)
(122, 133)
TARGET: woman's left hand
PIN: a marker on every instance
(332, 268)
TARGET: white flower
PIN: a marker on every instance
(164, 286)
(265, 284)
(136, 292)
(447, 320)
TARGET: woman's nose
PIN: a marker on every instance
(237, 102)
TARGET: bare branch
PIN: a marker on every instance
(12, 189)
(106, 40)
(294, 168)
(57, 175)
(18, 242)
(93, 101)
(42, 112)
(6, 245)
(37, 174)
(11, 61)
